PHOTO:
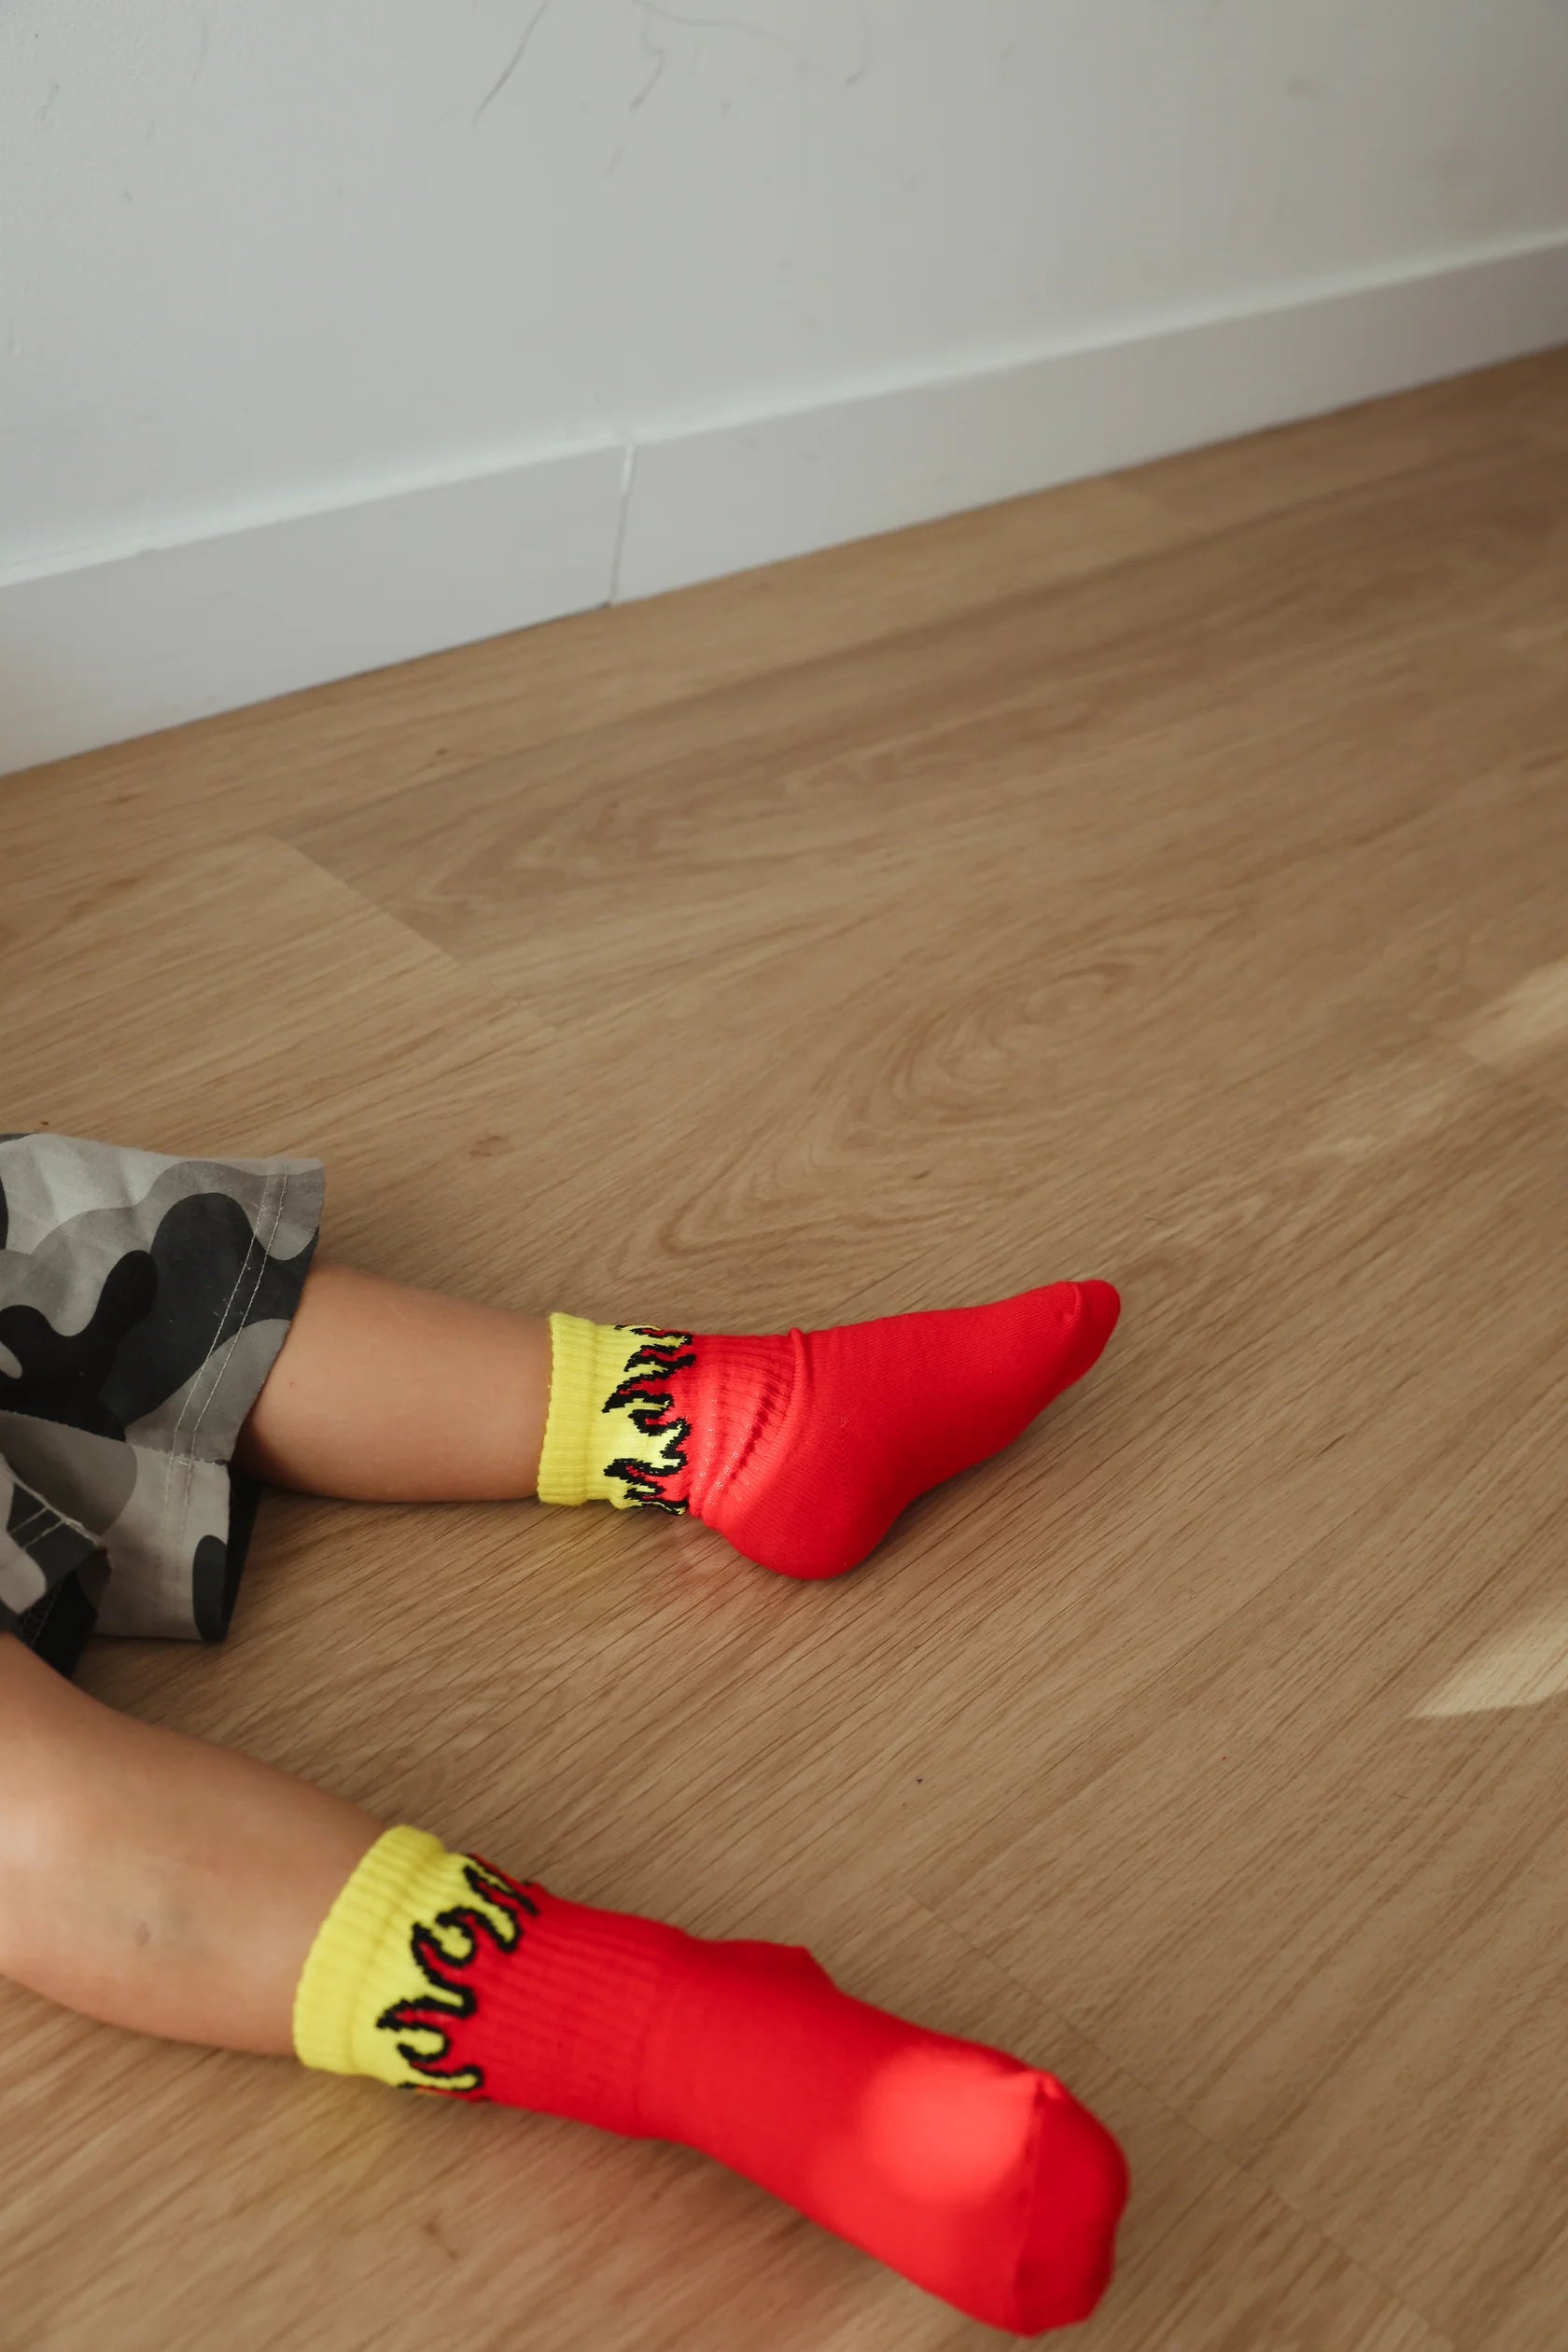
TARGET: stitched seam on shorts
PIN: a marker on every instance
(15, 1534)
(43, 1510)
(259, 1251)
(42, 1610)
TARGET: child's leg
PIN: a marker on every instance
(154, 1881)
(172, 1887)
(802, 1448)
(386, 1394)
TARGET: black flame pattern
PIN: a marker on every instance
(644, 1393)
(488, 1930)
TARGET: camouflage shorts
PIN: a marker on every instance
(143, 1302)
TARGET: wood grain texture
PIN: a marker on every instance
(1167, 878)
(346, 744)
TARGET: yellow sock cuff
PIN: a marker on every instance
(588, 1362)
(362, 1964)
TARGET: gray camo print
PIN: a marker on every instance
(143, 1302)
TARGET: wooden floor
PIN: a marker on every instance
(1165, 878)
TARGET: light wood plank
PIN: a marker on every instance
(1239, 481)
(118, 814)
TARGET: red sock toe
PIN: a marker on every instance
(804, 1450)
(978, 2178)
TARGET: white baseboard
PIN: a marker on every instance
(102, 652)
(722, 500)
(96, 652)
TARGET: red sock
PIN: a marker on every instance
(980, 2180)
(802, 1449)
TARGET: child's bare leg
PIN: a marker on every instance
(153, 1881)
(388, 1394)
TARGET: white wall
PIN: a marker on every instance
(262, 263)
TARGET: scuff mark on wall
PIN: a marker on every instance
(658, 62)
(803, 58)
(514, 61)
